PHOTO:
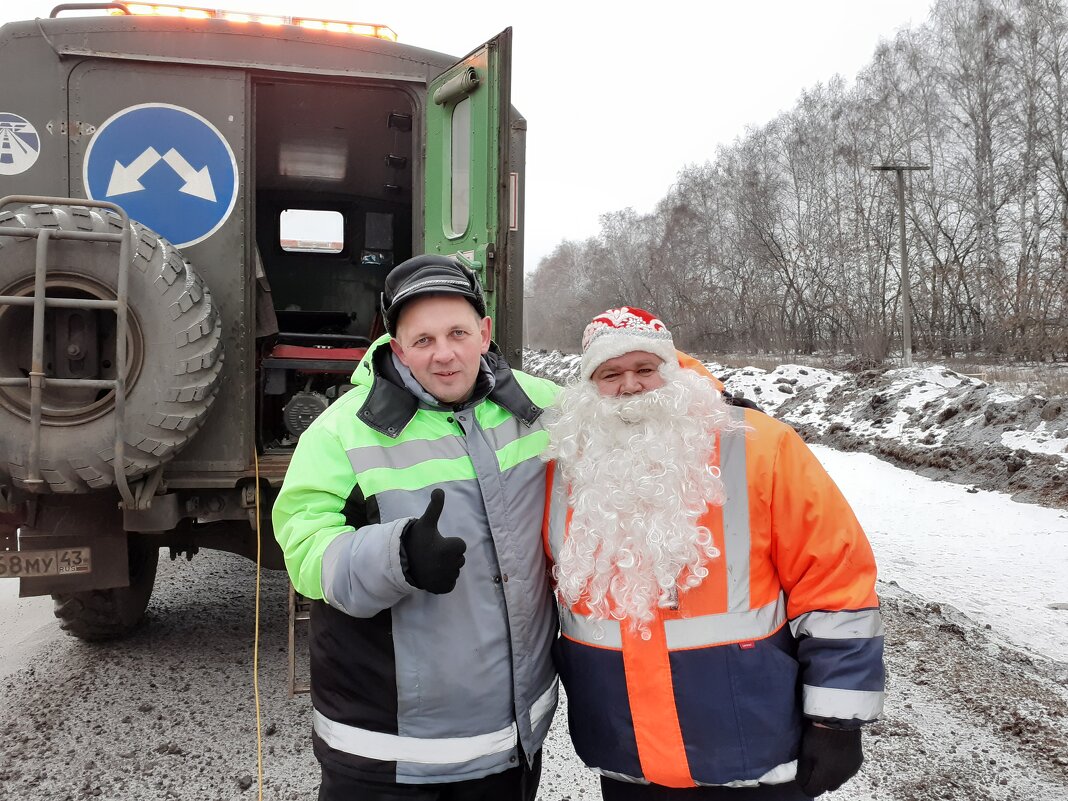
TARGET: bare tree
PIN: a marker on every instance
(786, 240)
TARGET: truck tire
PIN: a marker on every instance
(174, 352)
(109, 614)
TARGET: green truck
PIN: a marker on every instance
(198, 212)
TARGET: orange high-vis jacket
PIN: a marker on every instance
(785, 626)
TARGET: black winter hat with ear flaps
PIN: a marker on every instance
(428, 275)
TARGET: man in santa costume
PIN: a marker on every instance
(720, 631)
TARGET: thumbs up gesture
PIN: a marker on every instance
(434, 561)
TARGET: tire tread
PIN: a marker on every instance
(194, 358)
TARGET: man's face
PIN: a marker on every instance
(441, 339)
(630, 374)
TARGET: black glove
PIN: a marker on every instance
(829, 758)
(433, 561)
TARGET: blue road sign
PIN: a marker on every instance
(170, 168)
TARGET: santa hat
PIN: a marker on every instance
(624, 330)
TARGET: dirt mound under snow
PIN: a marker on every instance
(944, 425)
(932, 420)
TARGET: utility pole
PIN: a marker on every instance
(906, 297)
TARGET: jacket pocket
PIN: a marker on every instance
(738, 707)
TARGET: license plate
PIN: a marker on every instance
(31, 564)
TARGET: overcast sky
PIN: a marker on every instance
(621, 96)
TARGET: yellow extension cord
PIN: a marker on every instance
(256, 639)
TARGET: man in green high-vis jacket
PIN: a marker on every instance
(411, 515)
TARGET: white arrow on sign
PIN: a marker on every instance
(125, 180)
(197, 182)
(128, 179)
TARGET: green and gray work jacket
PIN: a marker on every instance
(407, 686)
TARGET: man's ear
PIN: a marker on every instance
(485, 328)
(398, 351)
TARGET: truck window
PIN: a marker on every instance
(460, 159)
(311, 231)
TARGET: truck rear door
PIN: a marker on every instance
(471, 193)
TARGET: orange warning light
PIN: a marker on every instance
(334, 26)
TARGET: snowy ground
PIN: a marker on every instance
(999, 562)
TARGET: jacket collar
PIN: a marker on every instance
(390, 405)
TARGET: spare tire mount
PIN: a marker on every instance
(40, 302)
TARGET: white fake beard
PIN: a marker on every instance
(639, 476)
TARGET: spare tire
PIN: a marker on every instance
(174, 351)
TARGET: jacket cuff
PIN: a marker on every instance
(826, 704)
(362, 571)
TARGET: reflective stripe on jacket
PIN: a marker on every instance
(408, 686)
(717, 695)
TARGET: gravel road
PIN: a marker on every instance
(169, 714)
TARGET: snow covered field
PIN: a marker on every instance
(999, 562)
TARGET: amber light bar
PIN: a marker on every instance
(190, 12)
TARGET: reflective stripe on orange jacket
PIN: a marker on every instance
(716, 696)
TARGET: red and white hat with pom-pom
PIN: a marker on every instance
(624, 330)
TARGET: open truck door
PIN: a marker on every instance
(472, 191)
